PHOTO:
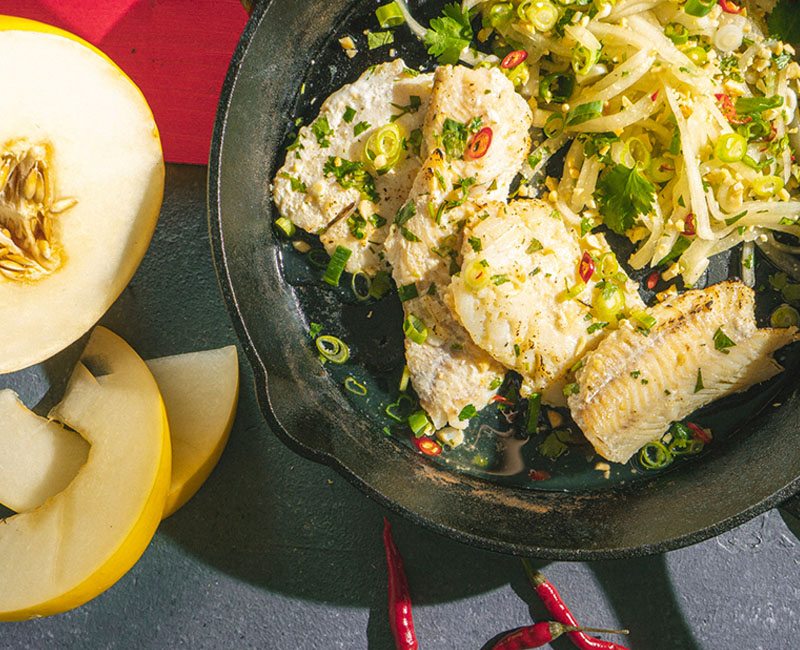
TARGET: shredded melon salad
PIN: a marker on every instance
(679, 118)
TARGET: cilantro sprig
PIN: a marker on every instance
(448, 35)
(623, 193)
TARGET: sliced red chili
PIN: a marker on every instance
(502, 400)
(729, 110)
(654, 96)
(730, 7)
(513, 59)
(479, 144)
(652, 280)
(428, 446)
(689, 225)
(586, 267)
(699, 433)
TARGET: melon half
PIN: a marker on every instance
(81, 184)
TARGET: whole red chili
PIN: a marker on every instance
(552, 601)
(536, 635)
(730, 7)
(513, 59)
(479, 144)
(400, 620)
(586, 267)
(688, 225)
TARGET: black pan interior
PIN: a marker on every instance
(288, 44)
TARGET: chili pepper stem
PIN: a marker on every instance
(580, 628)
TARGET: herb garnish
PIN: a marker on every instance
(622, 194)
(450, 34)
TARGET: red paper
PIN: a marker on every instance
(176, 51)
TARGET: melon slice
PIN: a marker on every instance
(200, 391)
(81, 184)
(82, 540)
(39, 458)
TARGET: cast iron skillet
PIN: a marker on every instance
(757, 469)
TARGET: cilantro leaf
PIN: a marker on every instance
(469, 411)
(349, 174)
(552, 447)
(450, 34)
(454, 138)
(376, 39)
(784, 21)
(321, 130)
(623, 194)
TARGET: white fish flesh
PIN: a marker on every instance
(517, 310)
(705, 345)
(317, 201)
(448, 371)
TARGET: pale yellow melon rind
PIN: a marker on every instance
(49, 557)
(107, 154)
(201, 392)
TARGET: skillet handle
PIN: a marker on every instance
(792, 505)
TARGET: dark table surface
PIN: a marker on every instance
(276, 551)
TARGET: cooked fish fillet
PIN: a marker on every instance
(316, 201)
(519, 313)
(463, 95)
(633, 386)
(448, 371)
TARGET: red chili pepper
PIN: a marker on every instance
(479, 144)
(513, 59)
(536, 635)
(654, 96)
(502, 400)
(688, 225)
(400, 619)
(699, 433)
(586, 267)
(552, 601)
(652, 280)
(729, 110)
(730, 7)
(538, 475)
(428, 446)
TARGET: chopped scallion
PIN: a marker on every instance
(419, 423)
(415, 329)
(532, 416)
(332, 348)
(407, 292)
(285, 226)
(336, 265)
(355, 387)
(389, 15)
(655, 455)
